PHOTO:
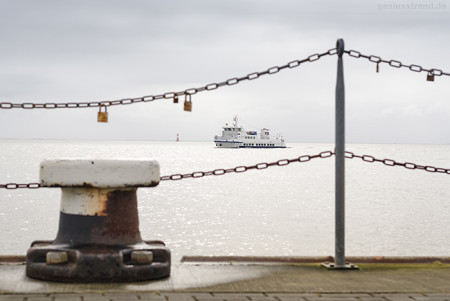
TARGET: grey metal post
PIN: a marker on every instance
(340, 167)
(340, 161)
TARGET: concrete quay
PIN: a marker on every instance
(246, 278)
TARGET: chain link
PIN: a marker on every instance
(396, 64)
(167, 95)
(264, 165)
(16, 186)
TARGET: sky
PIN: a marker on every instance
(101, 50)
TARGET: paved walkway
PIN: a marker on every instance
(155, 296)
(232, 281)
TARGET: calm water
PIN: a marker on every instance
(278, 211)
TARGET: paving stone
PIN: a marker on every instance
(239, 295)
(67, 297)
(39, 298)
(229, 296)
(180, 296)
(438, 295)
(13, 297)
(151, 297)
(353, 298)
(352, 295)
(292, 296)
(398, 296)
(93, 297)
(121, 296)
(433, 297)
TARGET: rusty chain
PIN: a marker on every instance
(167, 95)
(390, 162)
(396, 64)
(213, 86)
(239, 169)
(264, 165)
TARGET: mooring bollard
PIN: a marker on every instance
(98, 238)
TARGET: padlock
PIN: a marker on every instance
(102, 116)
(175, 99)
(378, 67)
(430, 76)
(188, 103)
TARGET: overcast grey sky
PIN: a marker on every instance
(80, 51)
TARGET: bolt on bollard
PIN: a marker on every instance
(98, 238)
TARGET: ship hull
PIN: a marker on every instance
(280, 146)
(239, 144)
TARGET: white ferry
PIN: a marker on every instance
(236, 137)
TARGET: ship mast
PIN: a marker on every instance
(235, 121)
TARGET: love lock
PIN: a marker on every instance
(188, 103)
(98, 238)
(102, 116)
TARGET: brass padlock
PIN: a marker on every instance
(430, 76)
(188, 103)
(175, 99)
(102, 116)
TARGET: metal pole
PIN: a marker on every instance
(339, 261)
(340, 160)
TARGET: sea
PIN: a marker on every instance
(278, 211)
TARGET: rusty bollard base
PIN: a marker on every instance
(86, 264)
(98, 238)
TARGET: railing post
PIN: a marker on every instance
(340, 167)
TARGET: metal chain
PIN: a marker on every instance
(264, 165)
(213, 86)
(215, 172)
(390, 162)
(396, 64)
(239, 169)
(167, 95)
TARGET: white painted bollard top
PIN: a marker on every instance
(99, 173)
